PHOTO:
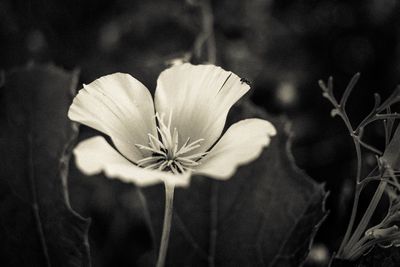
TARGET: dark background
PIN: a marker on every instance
(282, 47)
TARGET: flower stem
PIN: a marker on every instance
(169, 200)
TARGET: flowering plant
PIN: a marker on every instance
(150, 148)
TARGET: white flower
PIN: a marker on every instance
(176, 136)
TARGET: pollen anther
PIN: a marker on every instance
(166, 153)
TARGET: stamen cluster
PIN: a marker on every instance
(166, 154)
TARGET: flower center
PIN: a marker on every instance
(166, 153)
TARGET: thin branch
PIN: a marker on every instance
(377, 117)
(351, 222)
(348, 90)
(393, 98)
(371, 148)
(371, 115)
(388, 126)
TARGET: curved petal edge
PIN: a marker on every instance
(199, 98)
(95, 155)
(242, 143)
(119, 106)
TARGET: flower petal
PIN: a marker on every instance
(199, 98)
(95, 155)
(119, 106)
(243, 142)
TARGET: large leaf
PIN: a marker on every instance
(266, 215)
(38, 226)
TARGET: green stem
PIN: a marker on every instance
(367, 245)
(357, 189)
(366, 218)
(358, 248)
(169, 200)
(351, 223)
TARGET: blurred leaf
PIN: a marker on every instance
(120, 229)
(266, 215)
(38, 226)
(380, 257)
(336, 262)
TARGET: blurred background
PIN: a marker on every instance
(282, 47)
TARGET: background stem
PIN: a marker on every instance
(366, 218)
(352, 219)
